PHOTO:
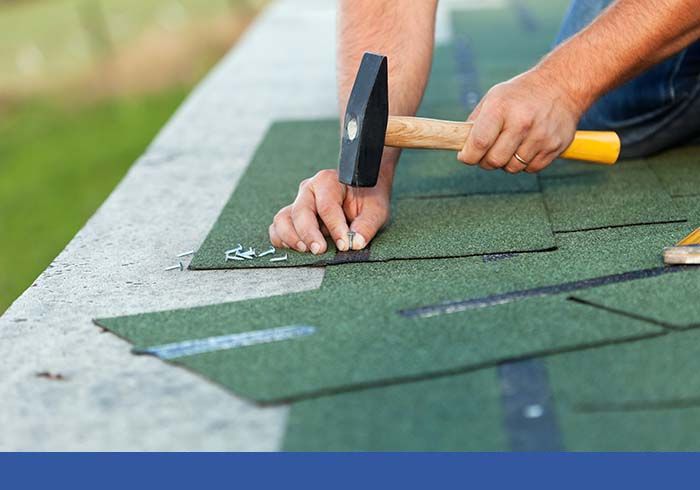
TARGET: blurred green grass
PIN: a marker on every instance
(57, 165)
(57, 37)
(85, 85)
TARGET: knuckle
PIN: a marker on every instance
(326, 175)
(325, 208)
(494, 161)
(481, 143)
(523, 121)
(307, 236)
(336, 231)
(281, 214)
(494, 92)
(538, 134)
(304, 184)
(553, 145)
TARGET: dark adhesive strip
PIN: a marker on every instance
(351, 256)
(499, 299)
(528, 410)
(470, 92)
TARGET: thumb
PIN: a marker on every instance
(366, 226)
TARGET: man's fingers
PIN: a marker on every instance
(542, 160)
(285, 230)
(502, 150)
(329, 205)
(365, 226)
(538, 149)
(516, 165)
(333, 217)
(275, 240)
(306, 222)
(487, 127)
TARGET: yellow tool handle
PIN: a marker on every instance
(692, 239)
(417, 132)
(594, 146)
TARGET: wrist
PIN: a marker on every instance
(576, 90)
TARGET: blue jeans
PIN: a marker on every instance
(657, 110)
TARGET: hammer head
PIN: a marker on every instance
(364, 125)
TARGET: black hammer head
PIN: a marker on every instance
(364, 126)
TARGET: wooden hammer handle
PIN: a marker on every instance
(417, 132)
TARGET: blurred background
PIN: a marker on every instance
(85, 85)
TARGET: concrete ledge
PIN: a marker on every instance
(110, 399)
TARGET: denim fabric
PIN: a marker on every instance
(658, 109)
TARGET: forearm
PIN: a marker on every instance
(402, 31)
(626, 39)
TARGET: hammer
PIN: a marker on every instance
(367, 128)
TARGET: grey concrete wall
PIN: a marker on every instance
(110, 399)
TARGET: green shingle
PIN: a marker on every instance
(643, 430)
(679, 170)
(455, 413)
(652, 373)
(362, 340)
(617, 196)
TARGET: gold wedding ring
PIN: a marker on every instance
(520, 159)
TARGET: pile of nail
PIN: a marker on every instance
(239, 253)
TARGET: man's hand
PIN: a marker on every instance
(530, 115)
(324, 206)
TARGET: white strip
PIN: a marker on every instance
(224, 342)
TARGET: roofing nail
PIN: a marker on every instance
(351, 235)
(173, 267)
(234, 250)
(279, 259)
(185, 254)
(267, 252)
